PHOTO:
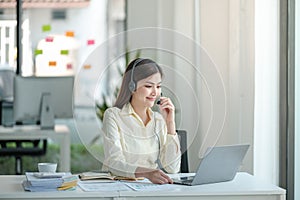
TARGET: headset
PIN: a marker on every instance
(132, 84)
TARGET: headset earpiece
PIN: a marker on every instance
(132, 84)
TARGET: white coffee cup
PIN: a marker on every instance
(47, 167)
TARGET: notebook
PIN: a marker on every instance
(219, 164)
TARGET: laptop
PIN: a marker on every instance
(219, 164)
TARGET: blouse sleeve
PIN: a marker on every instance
(114, 156)
(170, 153)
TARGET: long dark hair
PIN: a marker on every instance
(143, 68)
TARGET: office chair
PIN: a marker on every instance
(16, 148)
(182, 134)
(6, 87)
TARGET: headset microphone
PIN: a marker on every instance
(158, 101)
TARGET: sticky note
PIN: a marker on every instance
(70, 34)
(52, 63)
(87, 67)
(38, 51)
(49, 39)
(69, 66)
(46, 28)
(64, 52)
(90, 42)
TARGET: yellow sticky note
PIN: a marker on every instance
(70, 34)
(87, 67)
(52, 63)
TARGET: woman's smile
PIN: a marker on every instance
(151, 98)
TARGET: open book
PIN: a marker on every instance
(103, 175)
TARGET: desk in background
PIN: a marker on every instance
(28, 132)
(243, 187)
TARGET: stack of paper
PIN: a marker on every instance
(36, 182)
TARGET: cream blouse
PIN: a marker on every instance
(129, 144)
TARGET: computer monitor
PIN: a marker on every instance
(39, 100)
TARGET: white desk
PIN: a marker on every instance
(244, 186)
(60, 132)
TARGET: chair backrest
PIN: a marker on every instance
(182, 134)
(7, 75)
(6, 84)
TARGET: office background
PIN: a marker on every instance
(245, 40)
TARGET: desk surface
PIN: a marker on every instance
(20, 131)
(244, 186)
(60, 132)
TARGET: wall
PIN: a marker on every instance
(227, 33)
(225, 29)
(266, 137)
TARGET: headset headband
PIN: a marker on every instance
(132, 85)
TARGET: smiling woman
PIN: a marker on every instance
(139, 142)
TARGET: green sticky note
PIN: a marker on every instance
(46, 28)
(38, 51)
(64, 52)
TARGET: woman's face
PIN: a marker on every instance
(148, 90)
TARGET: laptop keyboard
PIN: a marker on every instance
(185, 180)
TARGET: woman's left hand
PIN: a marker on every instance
(167, 109)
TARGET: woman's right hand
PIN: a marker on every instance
(156, 176)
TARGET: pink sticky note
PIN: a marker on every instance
(49, 39)
(90, 42)
(69, 66)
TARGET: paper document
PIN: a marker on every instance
(140, 186)
(89, 186)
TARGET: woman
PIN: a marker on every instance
(137, 141)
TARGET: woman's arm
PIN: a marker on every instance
(167, 110)
(113, 151)
(170, 153)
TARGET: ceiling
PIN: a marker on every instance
(46, 3)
